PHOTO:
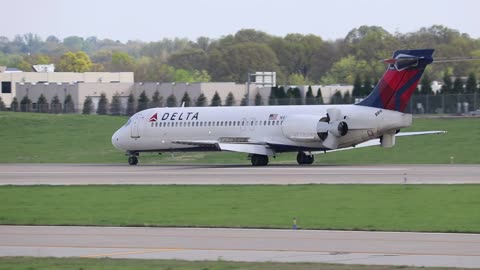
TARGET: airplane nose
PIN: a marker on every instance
(116, 140)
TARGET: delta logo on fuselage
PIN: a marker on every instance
(176, 116)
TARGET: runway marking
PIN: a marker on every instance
(313, 238)
(130, 252)
(244, 250)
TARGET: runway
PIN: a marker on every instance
(86, 174)
(388, 248)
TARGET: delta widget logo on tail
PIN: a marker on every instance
(153, 118)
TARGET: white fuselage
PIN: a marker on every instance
(282, 128)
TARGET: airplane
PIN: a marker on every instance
(264, 131)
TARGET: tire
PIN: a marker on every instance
(304, 159)
(133, 160)
(259, 160)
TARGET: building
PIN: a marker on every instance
(60, 81)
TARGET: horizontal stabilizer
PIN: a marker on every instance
(377, 141)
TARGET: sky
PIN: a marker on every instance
(152, 20)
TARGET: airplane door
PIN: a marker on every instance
(135, 127)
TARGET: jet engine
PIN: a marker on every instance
(332, 127)
(309, 128)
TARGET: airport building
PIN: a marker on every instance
(79, 86)
(15, 83)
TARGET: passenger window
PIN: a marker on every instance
(278, 122)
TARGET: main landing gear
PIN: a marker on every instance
(304, 159)
(132, 158)
(259, 160)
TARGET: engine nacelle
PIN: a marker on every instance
(301, 128)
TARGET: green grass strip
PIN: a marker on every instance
(17, 263)
(30, 263)
(434, 208)
(71, 138)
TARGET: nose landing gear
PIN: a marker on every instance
(132, 158)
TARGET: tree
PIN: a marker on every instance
(216, 100)
(258, 99)
(189, 59)
(130, 105)
(56, 105)
(87, 105)
(25, 104)
(172, 101)
(336, 98)
(102, 104)
(73, 43)
(294, 96)
(367, 87)
(121, 61)
(116, 105)
(457, 86)
(272, 98)
(201, 101)
(75, 62)
(2, 105)
(357, 87)
(281, 96)
(309, 98)
(233, 62)
(244, 102)
(42, 104)
(68, 104)
(230, 99)
(425, 86)
(142, 103)
(186, 101)
(347, 98)
(157, 100)
(471, 85)
(319, 96)
(14, 105)
(447, 84)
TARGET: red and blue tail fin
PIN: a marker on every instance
(400, 80)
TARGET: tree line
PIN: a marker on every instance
(298, 59)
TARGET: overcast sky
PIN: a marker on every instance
(150, 20)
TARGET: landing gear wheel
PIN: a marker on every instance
(133, 160)
(259, 160)
(304, 159)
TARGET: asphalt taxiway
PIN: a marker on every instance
(386, 248)
(86, 174)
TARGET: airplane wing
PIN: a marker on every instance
(242, 145)
(376, 142)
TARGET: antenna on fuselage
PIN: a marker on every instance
(183, 104)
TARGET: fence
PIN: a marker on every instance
(419, 104)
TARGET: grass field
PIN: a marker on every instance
(439, 208)
(21, 263)
(46, 138)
